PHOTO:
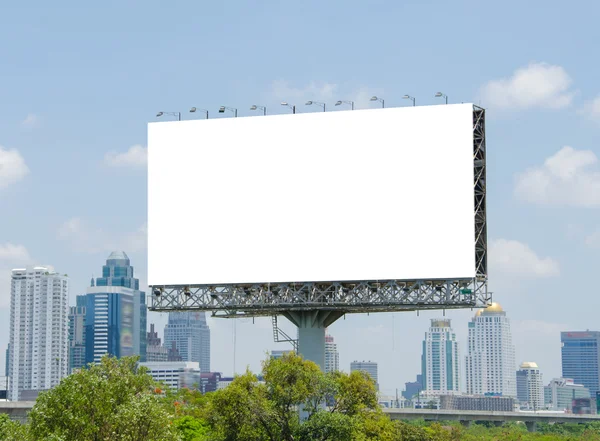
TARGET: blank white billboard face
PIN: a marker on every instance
(375, 194)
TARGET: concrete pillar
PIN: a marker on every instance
(311, 332)
(531, 426)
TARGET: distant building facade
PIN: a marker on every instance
(440, 368)
(77, 335)
(413, 388)
(191, 335)
(370, 367)
(155, 351)
(332, 356)
(174, 374)
(560, 393)
(39, 331)
(530, 387)
(477, 402)
(115, 321)
(490, 360)
(581, 358)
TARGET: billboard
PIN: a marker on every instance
(380, 194)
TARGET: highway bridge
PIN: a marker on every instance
(466, 417)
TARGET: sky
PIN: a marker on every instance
(79, 82)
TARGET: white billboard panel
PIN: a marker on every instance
(376, 194)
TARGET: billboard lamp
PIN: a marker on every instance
(232, 109)
(318, 103)
(255, 107)
(194, 110)
(340, 102)
(376, 98)
(283, 103)
(177, 114)
(440, 95)
(408, 97)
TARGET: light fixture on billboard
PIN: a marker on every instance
(408, 97)
(194, 110)
(376, 98)
(187, 292)
(340, 102)
(318, 103)
(255, 107)
(440, 95)
(157, 292)
(177, 114)
(283, 103)
(231, 109)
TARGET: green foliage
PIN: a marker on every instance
(111, 400)
(327, 426)
(192, 429)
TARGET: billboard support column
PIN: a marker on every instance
(311, 332)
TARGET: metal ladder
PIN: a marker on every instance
(281, 337)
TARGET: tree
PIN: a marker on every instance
(112, 400)
(247, 410)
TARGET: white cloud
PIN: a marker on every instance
(136, 157)
(17, 254)
(87, 238)
(592, 109)
(30, 121)
(536, 85)
(12, 167)
(298, 96)
(593, 240)
(565, 178)
(517, 259)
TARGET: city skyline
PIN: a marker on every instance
(73, 140)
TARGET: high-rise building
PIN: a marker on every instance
(490, 361)
(77, 335)
(530, 387)
(279, 353)
(370, 367)
(560, 393)
(39, 331)
(191, 335)
(155, 351)
(176, 374)
(413, 388)
(115, 320)
(332, 356)
(581, 358)
(440, 367)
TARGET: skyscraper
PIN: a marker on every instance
(39, 331)
(332, 356)
(191, 335)
(77, 335)
(581, 358)
(115, 320)
(370, 367)
(155, 351)
(530, 387)
(440, 368)
(490, 362)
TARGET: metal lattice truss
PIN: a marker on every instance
(350, 297)
(269, 299)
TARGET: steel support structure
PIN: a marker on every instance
(312, 306)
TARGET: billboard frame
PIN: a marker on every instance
(268, 299)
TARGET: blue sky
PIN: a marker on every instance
(79, 82)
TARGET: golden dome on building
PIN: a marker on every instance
(494, 307)
(529, 365)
